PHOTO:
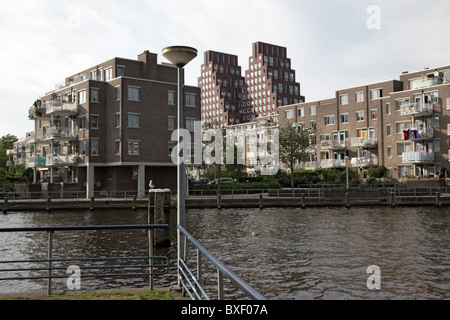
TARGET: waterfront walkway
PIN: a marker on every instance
(248, 199)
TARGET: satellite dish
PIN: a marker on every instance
(151, 184)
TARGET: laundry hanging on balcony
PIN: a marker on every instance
(411, 134)
(406, 134)
(414, 134)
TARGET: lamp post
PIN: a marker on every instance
(346, 172)
(180, 56)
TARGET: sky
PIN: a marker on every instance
(332, 44)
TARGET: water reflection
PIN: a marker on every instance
(288, 254)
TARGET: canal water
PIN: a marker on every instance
(286, 254)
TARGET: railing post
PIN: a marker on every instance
(50, 258)
(199, 267)
(220, 285)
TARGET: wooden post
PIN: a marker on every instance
(49, 205)
(219, 201)
(261, 201)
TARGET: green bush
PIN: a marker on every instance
(376, 172)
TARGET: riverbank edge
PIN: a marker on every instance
(42, 295)
(220, 203)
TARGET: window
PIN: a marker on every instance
(190, 125)
(108, 74)
(448, 103)
(313, 124)
(82, 147)
(82, 123)
(171, 98)
(400, 126)
(117, 147)
(301, 112)
(360, 116)
(171, 146)
(375, 94)
(388, 108)
(329, 120)
(359, 96)
(120, 71)
(82, 97)
(118, 95)
(133, 120)
(389, 152)
(93, 75)
(133, 93)
(403, 147)
(313, 110)
(133, 148)
(94, 95)
(344, 118)
(94, 122)
(388, 130)
(373, 114)
(400, 103)
(117, 120)
(94, 147)
(343, 99)
(171, 123)
(290, 114)
(190, 100)
(436, 145)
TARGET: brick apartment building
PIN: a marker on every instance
(402, 125)
(222, 88)
(230, 98)
(108, 128)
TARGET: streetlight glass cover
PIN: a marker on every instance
(179, 55)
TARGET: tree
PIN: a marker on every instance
(6, 143)
(294, 143)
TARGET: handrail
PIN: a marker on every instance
(85, 228)
(234, 278)
(50, 260)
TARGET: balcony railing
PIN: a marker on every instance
(312, 165)
(416, 109)
(64, 108)
(364, 162)
(332, 144)
(327, 164)
(61, 160)
(34, 113)
(61, 133)
(37, 162)
(364, 142)
(417, 157)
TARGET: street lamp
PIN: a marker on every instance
(346, 171)
(180, 56)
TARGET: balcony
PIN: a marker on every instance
(417, 109)
(332, 145)
(36, 113)
(364, 162)
(61, 160)
(62, 134)
(312, 165)
(418, 157)
(418, 135)
(329, 164)
(364, 142)
(62, 109)
(37, 162)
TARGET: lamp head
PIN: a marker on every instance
(179, 55)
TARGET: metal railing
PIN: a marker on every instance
(192, 283)
(161, 268)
